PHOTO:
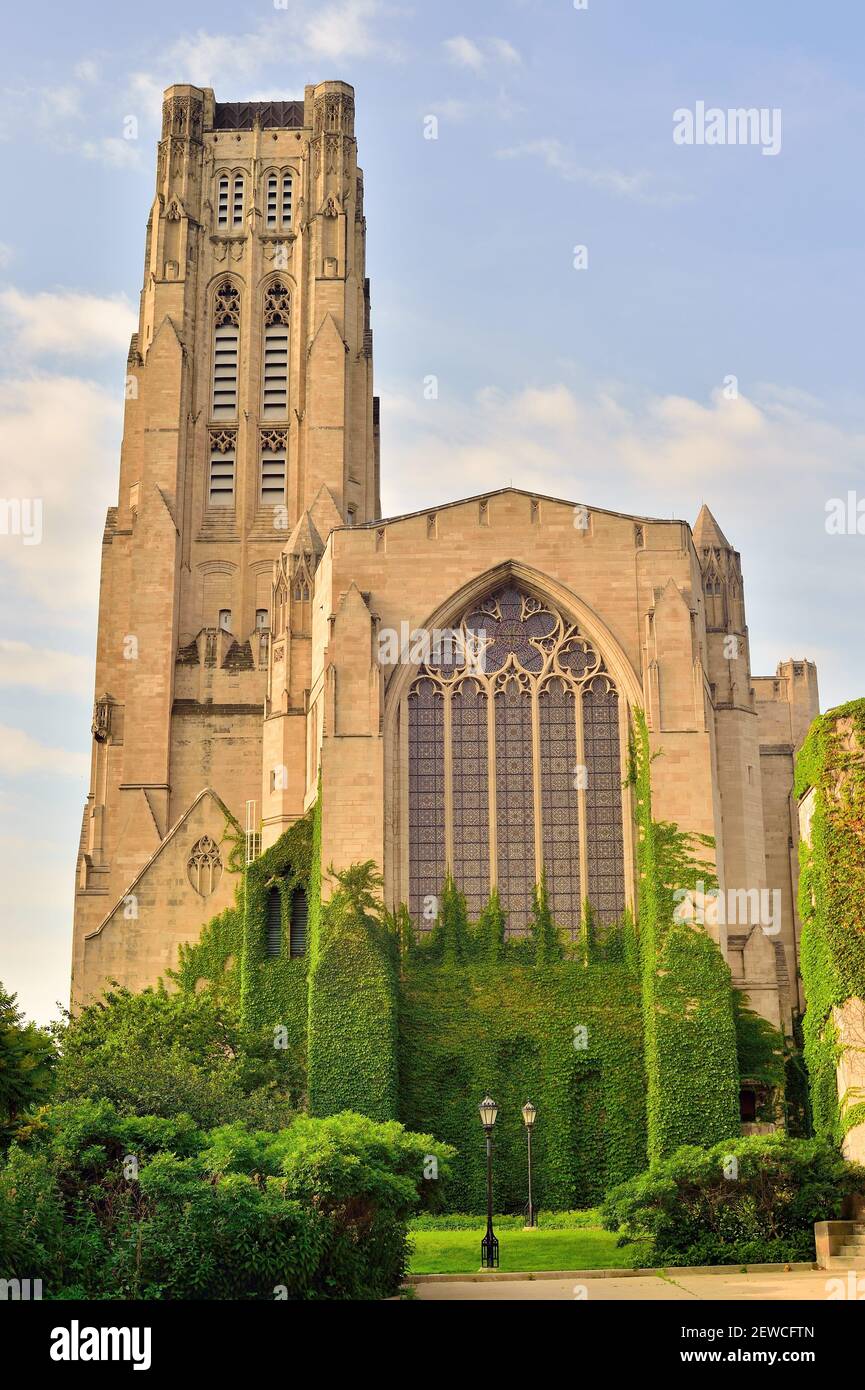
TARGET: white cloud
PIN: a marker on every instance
(22, 753)
(67, 323)
(346, 31)
(113, 151)
(59, 440)
(339, 32)
(477, 55)
(87, 70)
(505, 51)
(39, 668)
(464, 52)
(556, 157)
(613, 450)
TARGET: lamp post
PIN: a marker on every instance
(529, 1116)
(489, 1245)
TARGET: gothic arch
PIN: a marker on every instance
(483, 772)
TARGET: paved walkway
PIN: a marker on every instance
(796, 1286)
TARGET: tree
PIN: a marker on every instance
(165, 1054)
(27, 1058)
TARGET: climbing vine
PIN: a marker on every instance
(831, 893)
(690, 1035)
(352, 1016)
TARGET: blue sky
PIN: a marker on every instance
(604, 385)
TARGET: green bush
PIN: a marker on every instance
(744, 1201)
(319, 1209)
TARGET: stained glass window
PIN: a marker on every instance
(426, 775)
(606, 888)
(515, 811)
(514, 663)
(559, 801)
(471, 835)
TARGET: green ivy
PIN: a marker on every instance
(566, 1037)
(690, 1035)
(352, 1017)
(625, 1039)
(831, 894)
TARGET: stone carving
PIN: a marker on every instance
(222, 441)
(277, 304)
(226, 304)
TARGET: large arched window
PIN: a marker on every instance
(277, 316)
(226, 342)
(515, 764)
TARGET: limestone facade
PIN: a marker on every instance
(250, 589)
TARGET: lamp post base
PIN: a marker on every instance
(490, 1251)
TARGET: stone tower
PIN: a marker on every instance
(249, 401)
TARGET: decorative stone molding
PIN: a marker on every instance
(204, 866)
(222, 441)
(226, 304)
(277, 304)
(273, 441)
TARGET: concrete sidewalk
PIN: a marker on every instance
(681, 1285)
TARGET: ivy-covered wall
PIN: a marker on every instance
(692, 1077)
(624, 1040)
(232, 950)
(567, 1037)
(832, 901)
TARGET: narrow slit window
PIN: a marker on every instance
(237, 203)
(225, 350)
(276, 369)
(221, 492)
(297, 926)
(274, 923)
(272, 479)
(272, 191)
(286, 199)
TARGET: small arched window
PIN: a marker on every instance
(237, 202)
(287, 185)
(222, 202)
(274, 923)
(278, 200)
(297, 928)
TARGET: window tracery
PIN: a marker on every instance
(204, 866)
(530, 774)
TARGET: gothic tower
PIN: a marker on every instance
(248, 402)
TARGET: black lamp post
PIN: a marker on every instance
(489, 1245)
(529, 1116)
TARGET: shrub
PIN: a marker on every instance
(317, 1210)
(744, 1201)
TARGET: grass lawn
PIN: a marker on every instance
(459, 1252)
